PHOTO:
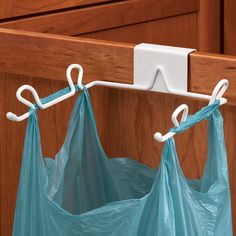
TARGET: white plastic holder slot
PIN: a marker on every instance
(169, 66)
(172, 62)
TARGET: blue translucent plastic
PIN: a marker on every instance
(82, 192)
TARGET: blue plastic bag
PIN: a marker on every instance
(82, 192)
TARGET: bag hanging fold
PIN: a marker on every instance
(83, 192)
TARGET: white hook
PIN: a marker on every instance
(14, 117)
(217, 93)
(48, 104)
(180, 108)
(162, 138)
(80, 75)
(23, 100)
(219, 90)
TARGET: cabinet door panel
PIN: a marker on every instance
(229, 27)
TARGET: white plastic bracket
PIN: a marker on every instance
(151, 60)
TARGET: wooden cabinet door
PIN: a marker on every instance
(229, 23)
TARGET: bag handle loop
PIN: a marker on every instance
(72, 91)
(182, 108)
(177, 111)
(219, 90)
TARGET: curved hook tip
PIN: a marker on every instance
(158, 137)
(80, 75)
(223, 101)
(11, 116)
(219, 91)
(177, 111)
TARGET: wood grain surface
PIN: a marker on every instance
(24, 7)
(126, 122)
(205, 70)
(209, 26)
(101, 17)
(48, 56)
(229, 27)
(182, 32)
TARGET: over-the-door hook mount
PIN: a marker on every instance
(156, 68)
